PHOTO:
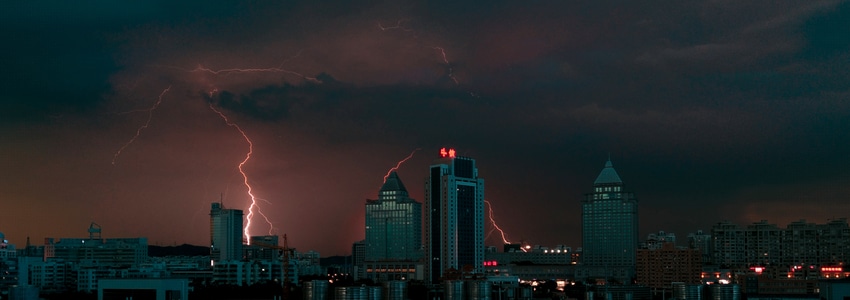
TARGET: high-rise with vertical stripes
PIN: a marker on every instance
(454, 217)
(225, 233)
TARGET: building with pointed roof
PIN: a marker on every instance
(608, 176)
(609, 220)
(393, 244)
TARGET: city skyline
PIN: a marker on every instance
(712, 111)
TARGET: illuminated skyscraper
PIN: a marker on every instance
(393, 232)
(393, 224)
(454, 216)
(225, 233)
(609, 221)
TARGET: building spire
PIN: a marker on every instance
(394, 183)
(608, 174)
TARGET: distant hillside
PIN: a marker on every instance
(335, 260)
(182, 250)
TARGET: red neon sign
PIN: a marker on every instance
(450, 153)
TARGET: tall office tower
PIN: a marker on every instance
(393, 224)
(609, 220)
(393, 232)
(454, 217)
(225, 233)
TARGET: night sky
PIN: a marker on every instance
(709, 110)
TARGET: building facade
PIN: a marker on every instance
(799, 244)
(609, 221)
(225, 233)
(702, 242)
(111, 252)
(393, 232)
(358, 258)
(393, 224)
(657, 240)
(454, 217)
(660, 267)
(8, 265)
(262, 247)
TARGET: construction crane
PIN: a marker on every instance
(287, 254)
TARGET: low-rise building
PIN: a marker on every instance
(659, 268)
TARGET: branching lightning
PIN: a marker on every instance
(496, 226)
(147, 123)
(399, 163)
(254, 207)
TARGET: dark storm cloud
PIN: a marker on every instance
(702, 105)
(343, 111)
(698, 83)
(58, 56)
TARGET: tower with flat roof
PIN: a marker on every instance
(225, 233)
(454, 217)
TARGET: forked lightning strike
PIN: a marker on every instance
(496, 226)
(399, 164)
(147, 123)
(254, 206)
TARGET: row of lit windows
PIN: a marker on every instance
(601, 189)
(370, 270)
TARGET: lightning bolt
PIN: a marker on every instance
(147, 123)
(448, 65)
(279, 69)
(225, 72)
(254, 206)
(398, 25)
(496, 226)
(399, 164)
